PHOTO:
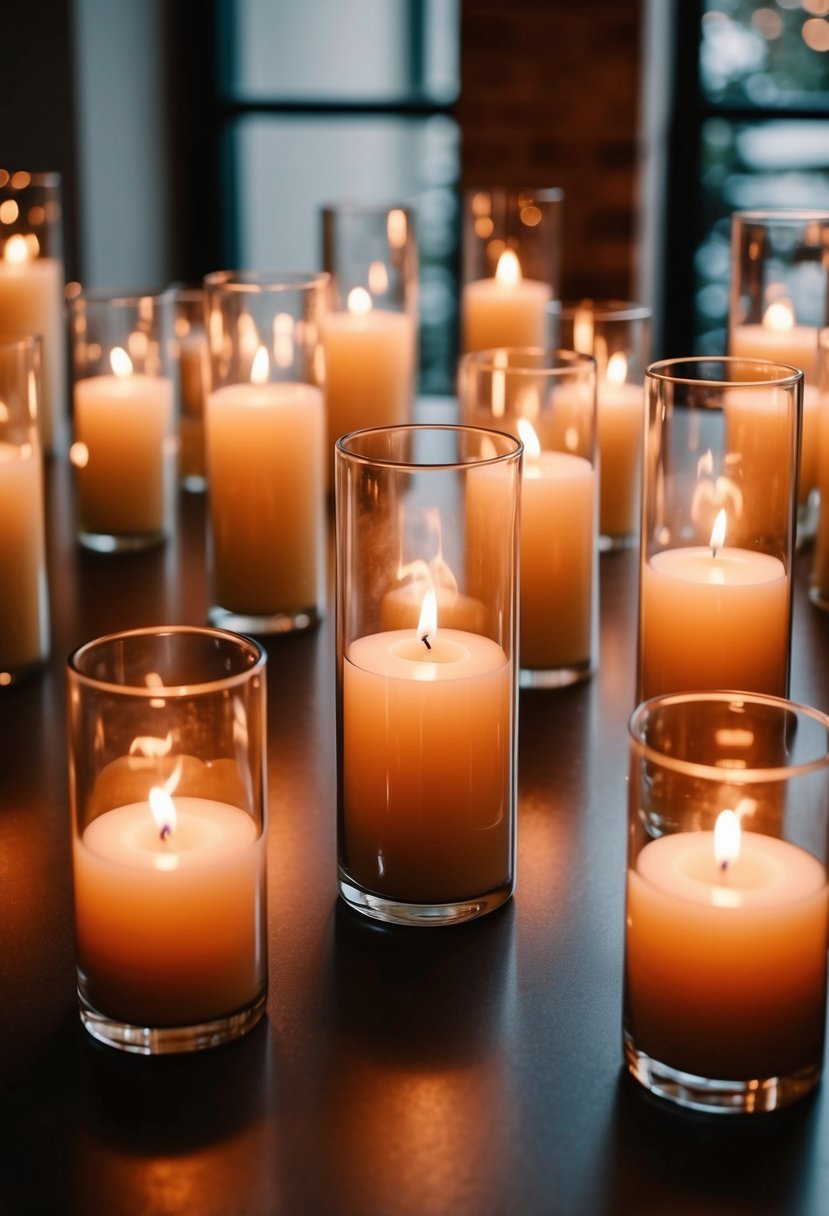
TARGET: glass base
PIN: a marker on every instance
(132, 542)
(277, 622)
(720, 1097)
(819, 598)
(555, 677)
(398, 912)
(610, 544)
(167, 1040)
(194, 483)
(807, 513)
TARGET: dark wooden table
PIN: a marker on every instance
(400, 1072)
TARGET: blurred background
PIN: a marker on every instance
(194, 135)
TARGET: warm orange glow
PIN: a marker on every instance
(397, 228)
(120, 362)
(727, 836)
(9, 211)
(718, 531)
(427, 625)
(163, 809)
(508, 270)
(17, 250)
(617, 368)
(583, 331)
(260, 367)
(359, 302)
(779, 316)
(527, 435)
(378, 278)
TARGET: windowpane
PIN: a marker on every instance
(365, 50)
(290, 166)
(767, 55)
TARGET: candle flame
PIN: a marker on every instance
(17, 250)
(779, 316)
(427, 625)
(260, 366)
(120, 362)
(727, 837)
(508, 270)
(617, 368)
(583, 331)
(164, 811)
(527, 435)
(378, 278)
(359, 302)
(718, 531)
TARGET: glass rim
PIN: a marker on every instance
(572, 361)
(132, 297)
(357, 207)
(606, 309)
(345, 452)
(21, 340)
(548, 194)
(721, 774)
(781, 214)
(239, 642)
(261, 281)
(786, 374)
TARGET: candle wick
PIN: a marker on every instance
(165, 831)
(713, 551)
(426, 642)
(724, 865)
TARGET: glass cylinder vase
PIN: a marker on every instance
(167, 756)
(125, 441)
(548, 400)
(719, 500)
(24, 598)
(727, 900)
(427, 546)
(510, 262)
(265, 434)
(32, 285)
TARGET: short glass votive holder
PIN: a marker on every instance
(617, 333)
(24, 597)
(32, 285)
(510, 261)
(167, 768)
(726, 921)
(189, 348)
(265, 438)
(427, 581)
(370, 333)
(548, 400)
(125, 443)
(719, 502)
(779, 300)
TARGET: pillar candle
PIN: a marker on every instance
(121, 453)
(506, 310)
(369, 367)
(726, 967)
(426, 764)
(167, 924)
(23, 604)
(265, 467)
(31, 301)
(620, 423)
(714, 618)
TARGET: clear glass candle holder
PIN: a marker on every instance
(189, 351)
(510, 260)
(779, 300)
(167, 755)
(726, 919)
(548, 400)
(370, 333)
(32, 285)
(125, 441)
(719, 505)
(265, 436)
(819, 581)
(427, 548)
(24, 597)
(617, 333)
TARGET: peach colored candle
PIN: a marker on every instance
(23, 605)
(620, 423)
(167, 922)
(426, 764)
(507, 310)
(726, 968)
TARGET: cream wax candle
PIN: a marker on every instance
(24, 628)
(506, 310)
(726, 953)
(167, 895)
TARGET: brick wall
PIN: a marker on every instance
(550, 96)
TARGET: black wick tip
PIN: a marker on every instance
(426, 642)
(724, 865)
(165, 831)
